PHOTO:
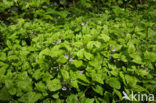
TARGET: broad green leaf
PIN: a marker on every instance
(4, 94)
(142, 72)
(137, 59)
(30, 97)
(3, 68)
(56, 52)
(72, 99)
(140, 88)
(118, 93)
(13, 57)
(131, 80)
(80, 53)
(65, 74)
(150, 56)
(115, 72)
(60, 13)
(105, 37)
(82, 79)
(37, 74)
(122, 77)
(88, 56)
(78, 44)
(86, 100)
(116, 55)
(12, 91)
(54, 85)
(96, 62)
(40, 86)
(107, 96)
(74, 83)
(114, 83)
(25, 85)
(91, 44)
(98, 89)
(98, 77)
(78, 63)
(131, 47)
(61, 59)
(3, 56)
(56, 95)
(123, 58)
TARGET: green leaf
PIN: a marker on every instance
(72, 99)
(98, 77)
(4, 94)
(83, 79)
(123, 58)
(7, 4)
(107, 96)
(118, 93)
(140, 88)
(56, 52)
(78, 44)
(122, 77)
(37, 74)
(54, 85)
(30, 97)
(40, 86)
(116, 56)
(114, 83)
(137, 59)
(131, 48)
(3, 68)
(3, 56)
(80, 53)
(78, 63)
(142, 72)
(150, 56)
(58, 13)
(65, 74)
(105, 37)
(74, 83)
(131, 80)
(9, 83)
(13, 57)
(88, 55)
(98, 89)
(91, 44)
(86, 100)
(12, 91)
(24, 85)
(56, 95)
(61, 59)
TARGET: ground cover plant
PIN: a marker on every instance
(77, 51)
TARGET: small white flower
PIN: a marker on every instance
(71, 60)
(58, 69)
(81, 72)
(53, 43)
(82, 24)
(59, 41)
(64, 88)
(114, 50)
(66, 56)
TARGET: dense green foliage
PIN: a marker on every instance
(79, 51)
